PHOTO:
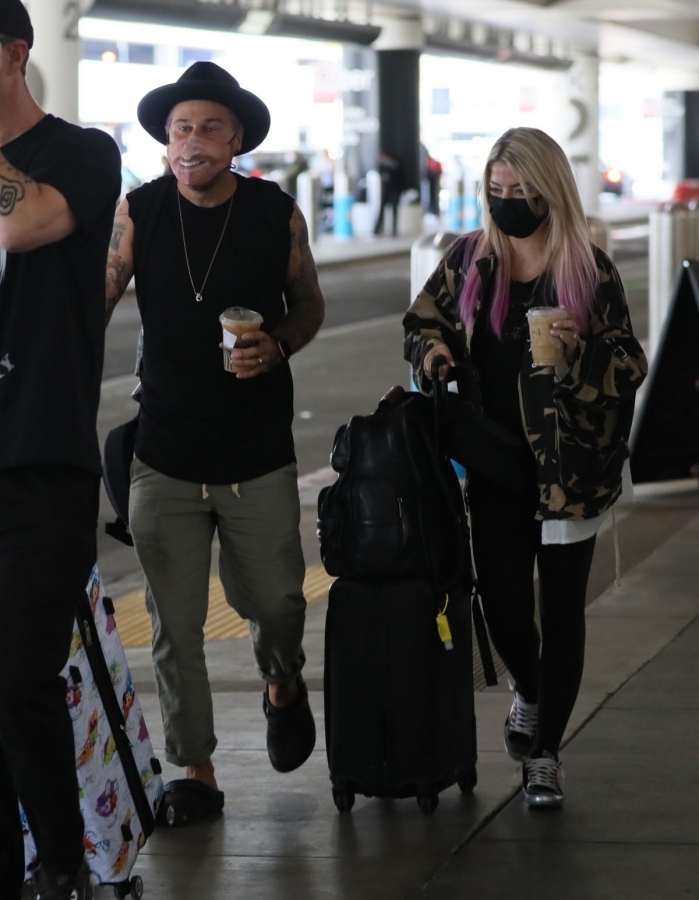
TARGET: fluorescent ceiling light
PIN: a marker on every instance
(257, 21)
(182, 13)
(315, 28)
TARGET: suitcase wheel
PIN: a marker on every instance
(468, 781)
(344, 800)
(132, 888)
(428, 802)
(171, 815)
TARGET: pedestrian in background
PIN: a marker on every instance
(434, 179)
(392, 184)
(534, 250)
(59, 185)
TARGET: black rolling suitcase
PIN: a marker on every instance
(399, 705)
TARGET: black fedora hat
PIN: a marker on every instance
(206, 81)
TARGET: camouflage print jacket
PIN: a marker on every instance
(578, 427)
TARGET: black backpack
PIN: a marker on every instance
(396, 509)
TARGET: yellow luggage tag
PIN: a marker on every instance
(444, 629)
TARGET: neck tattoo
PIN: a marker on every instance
(199, 294)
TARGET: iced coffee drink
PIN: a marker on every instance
(544, 351)
(237, 321)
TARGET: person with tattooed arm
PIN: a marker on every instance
(59, 185)
(214, 451)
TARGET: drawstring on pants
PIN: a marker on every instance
(205, 494)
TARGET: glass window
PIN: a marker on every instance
(144, 54)
(189, 55)
(92, 49)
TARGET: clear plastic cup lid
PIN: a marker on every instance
(536, 311)
(239, 314)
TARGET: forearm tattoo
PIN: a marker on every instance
(117, 282)
(11, 193)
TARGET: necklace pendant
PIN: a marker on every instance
(198, 298)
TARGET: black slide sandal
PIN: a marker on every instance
(186, 801)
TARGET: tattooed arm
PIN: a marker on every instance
(305, 303)
(120, 259)
(31, 214)
(305, 309)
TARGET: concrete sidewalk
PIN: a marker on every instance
(629, 828)
(330, 251)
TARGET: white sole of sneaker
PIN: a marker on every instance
(543, 800)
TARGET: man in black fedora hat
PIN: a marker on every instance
(59, 185)
(214, 452)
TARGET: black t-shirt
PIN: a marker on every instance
(199, 422)
(499, 361)
(52, 303)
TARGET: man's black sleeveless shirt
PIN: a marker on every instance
(199, 422)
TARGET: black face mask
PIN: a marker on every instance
(514, 216)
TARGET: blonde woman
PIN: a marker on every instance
(534, 250)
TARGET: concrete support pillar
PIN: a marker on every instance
(691, 134)
(361, 102)
(54, 59)
(399, 47)
(580, 127)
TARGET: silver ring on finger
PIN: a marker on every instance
(260, 359)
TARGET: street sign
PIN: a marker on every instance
(665, 438)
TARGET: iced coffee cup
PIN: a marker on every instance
(544, 351)
(237, 321)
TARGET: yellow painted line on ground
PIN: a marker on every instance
(223, 622)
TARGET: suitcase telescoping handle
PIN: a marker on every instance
(439, 393)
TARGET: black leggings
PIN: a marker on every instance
(506, 543)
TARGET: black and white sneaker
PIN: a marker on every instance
(520, 728)
(542, 779)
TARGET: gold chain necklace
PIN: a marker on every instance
(199, 295)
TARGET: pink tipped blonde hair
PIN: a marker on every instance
(543, 170)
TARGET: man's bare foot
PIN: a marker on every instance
(205, 773)
(282, 695)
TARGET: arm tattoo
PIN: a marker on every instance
(306, 279)
(306, 276)
(306, 306)
(299, 232)
(117, 282)
(11, 193)
(117, 235)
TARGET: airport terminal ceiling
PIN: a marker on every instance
(654, 31)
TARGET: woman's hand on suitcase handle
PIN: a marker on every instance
(442, 350)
